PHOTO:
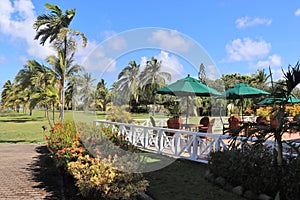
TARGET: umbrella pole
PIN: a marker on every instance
(187, 109)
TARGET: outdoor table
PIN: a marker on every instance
(191, 127)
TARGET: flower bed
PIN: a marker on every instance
(92, 156)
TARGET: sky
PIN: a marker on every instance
(227, 36)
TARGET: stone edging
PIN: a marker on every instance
(238, 190)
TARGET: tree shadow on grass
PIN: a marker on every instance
(44, 171)
(22, 120)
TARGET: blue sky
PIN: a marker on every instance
(238, 36)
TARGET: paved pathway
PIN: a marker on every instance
(27, 172)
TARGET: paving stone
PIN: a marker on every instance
(27, 172)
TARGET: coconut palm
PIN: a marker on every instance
(128, 81)
(54, 26)
(153, 78)
(6, 93)
(63, 73)
(86, 90)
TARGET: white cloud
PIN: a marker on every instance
(247, 49)
(3, 59)
(273, 61)
(94, 58)
(212, 72)
(170, 64)
(16, 21)
(248, 22)
(297, 13)
(171, 40)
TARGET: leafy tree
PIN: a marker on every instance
(202, 74)
(102, 95)
(54, 26)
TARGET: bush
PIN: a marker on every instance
(96, 169)
(255, 168)
(99, 180)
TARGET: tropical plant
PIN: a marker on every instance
(54, 26)
(87, 92)
(128, 81)
(152, 78)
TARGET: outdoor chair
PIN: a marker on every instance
(225, 126)
(235, 124)
(207, 125)
(174, 123)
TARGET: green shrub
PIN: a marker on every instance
(99, 180)
(255, 168)
(99, 164)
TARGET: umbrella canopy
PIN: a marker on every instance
(188, 86)
(241, 91)
(274, 100)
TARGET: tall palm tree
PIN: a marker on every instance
(63, 73)
(55, 27)
(128, 81)
(153, 78)
(86, 90)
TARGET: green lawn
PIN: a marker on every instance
(184, 179)
(22, 128)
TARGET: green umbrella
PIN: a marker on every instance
(188, 86)
(276, 100)
(241, 91)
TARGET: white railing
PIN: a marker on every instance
(179, 143)
(173, 142)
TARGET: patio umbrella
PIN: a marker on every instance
(186, 87)
(276, 100)
(241, 91)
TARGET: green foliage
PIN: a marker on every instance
(119, 114)
(98, 179)
(96, 176)
(255, 168)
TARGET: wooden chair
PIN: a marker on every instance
(174, 123)
(234, 124)
(225, 126)
(207, 125)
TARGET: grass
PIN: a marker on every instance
(184, 179)
(180, 180)
(22, 128)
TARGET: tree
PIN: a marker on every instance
(153, 78)
(63, 73)
(87, 93)
(128, 81)
(202, 74)
(54, 26)
(102, 95)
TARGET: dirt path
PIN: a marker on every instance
(27, 172)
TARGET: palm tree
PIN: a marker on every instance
(55, 27)
(128, 81)
(86, 91)
(6, 93)
(152, 78)
(63, 73)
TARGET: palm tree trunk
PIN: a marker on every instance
(48, 117)
(53, 113)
